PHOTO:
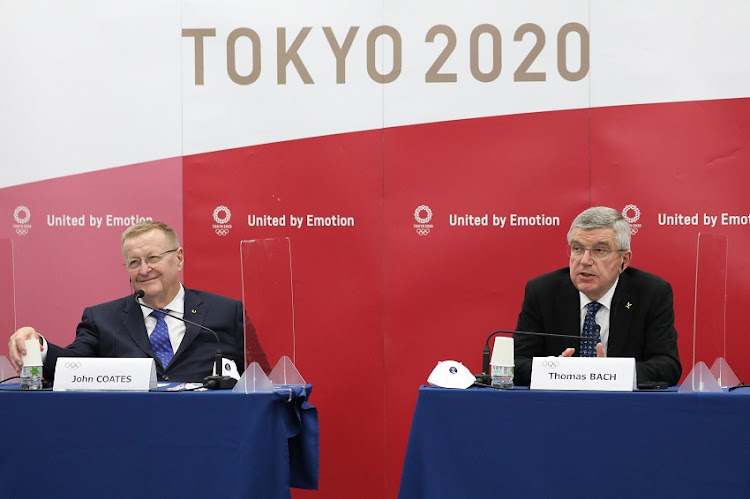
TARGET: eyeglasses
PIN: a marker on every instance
(577, 251)
(135, 263)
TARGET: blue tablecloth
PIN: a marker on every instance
(133, 445)
(481, 443)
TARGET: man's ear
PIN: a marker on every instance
(626, 256)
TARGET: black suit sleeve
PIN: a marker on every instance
(659, 359)
(527, 346)
(226, 318)
(237, 353)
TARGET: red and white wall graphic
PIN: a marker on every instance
(423, 159)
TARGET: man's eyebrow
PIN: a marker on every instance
(603, 242)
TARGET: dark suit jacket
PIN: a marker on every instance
(117, 329)
(641, 324)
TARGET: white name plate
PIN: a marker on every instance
(104, 374)
(610, 374)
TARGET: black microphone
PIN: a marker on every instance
(485, 377)
(213, 382)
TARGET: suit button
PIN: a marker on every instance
(166, 378)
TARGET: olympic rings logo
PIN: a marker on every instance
(72, 365)
(552, 364)
(222, 232)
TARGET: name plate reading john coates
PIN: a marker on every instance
(104, 374)
(609, 374)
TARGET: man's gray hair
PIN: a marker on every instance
(603, 217)
(148, 226)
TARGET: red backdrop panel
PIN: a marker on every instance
(686, 158)
(337, 277)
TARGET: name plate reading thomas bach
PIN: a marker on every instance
(104, 374)
(609, 374)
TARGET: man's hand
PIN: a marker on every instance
(600, 350)
(17, 347)
(568, 352)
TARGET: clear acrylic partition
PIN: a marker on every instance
(7, 304)
(254, 380)
(285, 373)
(709, 319)
(269, 301)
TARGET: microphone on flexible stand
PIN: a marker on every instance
(485, 378)
(213, 382)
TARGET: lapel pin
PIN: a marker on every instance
(195, 311)
(628, 305)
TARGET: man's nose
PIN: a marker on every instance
(586, 257)
(144, 268)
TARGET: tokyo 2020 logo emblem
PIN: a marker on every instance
(22, 215)
(632, 214)
(423, 216)
(222, 215)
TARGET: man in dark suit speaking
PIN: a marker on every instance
(626, 312)
(122, 328)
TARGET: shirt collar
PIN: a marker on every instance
(605, 300)
(176, 306)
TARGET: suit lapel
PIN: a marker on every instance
(136, 327)
(620, 316)
(194, 313)
(570, 311)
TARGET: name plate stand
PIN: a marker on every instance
(104, 374)
(608, 374)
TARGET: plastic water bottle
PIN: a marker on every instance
(31, 378)
(502, 376)
(31, 372)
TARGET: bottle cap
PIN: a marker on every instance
(502, 352)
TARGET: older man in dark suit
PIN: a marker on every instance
(632, 309)
(124, 328)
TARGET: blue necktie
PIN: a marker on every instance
(160, 339)
(590, 330)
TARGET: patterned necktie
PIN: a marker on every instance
(590, 330)
(160, 338)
